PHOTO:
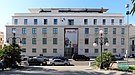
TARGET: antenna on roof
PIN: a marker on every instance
(101, 10)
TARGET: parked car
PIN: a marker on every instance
(62, 58)
(59, 62)
(80, 57)
(41, 58)
(117, 57)
(35, 61)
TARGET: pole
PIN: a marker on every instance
(101, 43)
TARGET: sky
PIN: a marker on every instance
(9, 7)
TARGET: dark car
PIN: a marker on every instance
(80, 57)
(35, 61)
(62, 58)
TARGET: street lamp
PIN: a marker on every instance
(101, 32)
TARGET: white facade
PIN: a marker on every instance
(56, 21)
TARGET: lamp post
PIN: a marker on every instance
(101, 32)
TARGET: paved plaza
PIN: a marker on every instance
(61, 70)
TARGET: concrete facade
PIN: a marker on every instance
(82, 19)
(1, 40)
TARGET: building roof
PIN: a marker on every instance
(92, 10)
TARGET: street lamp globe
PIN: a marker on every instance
(101, 32)
(13, 31)
(107, 44)
(94, 44)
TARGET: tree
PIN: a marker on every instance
(133, 9)
(11, 54)
(106, 59)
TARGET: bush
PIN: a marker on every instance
(106, 59)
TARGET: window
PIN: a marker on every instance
(33, 40)
(13, 29)
(122, 30)
(105, 50)
(54, 50)
(25, 21)
(96, 50)
(35, 21)
(24, 50)
(123, 51)
(106, 30)
(70, 21)
(23, 40)
(34, 30)
(105, 40)
(15, 21)
(45, 21)
(85, 21)
(133, 42)
(44, 40)
(44, 30)
(96, 30)
(55, 41)
(114, 50)
(44, 50)
(55, 21)
(55, 30)
(112, 21)
(104, 21)
(114, 30)
(120, 21)
(33, 50)
(86, 30)
(86, 50)
(86, 40)
(96, 40)
(114, 41)
(122, 41)
(95, 21)
(133, 48)
(23, 30)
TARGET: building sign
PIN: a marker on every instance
(71, 38)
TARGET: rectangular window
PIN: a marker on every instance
(133, 48)
(70, 21)
(15, 21)
(120, 21)
(86, 30)
(96, 40)
(95, 21)
(34, 50)
(106, 30)
(55, 41)
(133, 43)
(44, 30)
(122, 30)
(85, 21)
(105, 40)
(86, 50)
(114, 30)
(114, 50)
(96, 50)
(23, 40)
(55, 21)
(114, 41)
(44, 40)
(86, 40)
(96, 30)
(112, 21)
(25, 21)
(44, 50)
(104, 21)
(35, 21)
(123, 51)
(24, 50)
(54, 50)
(23, 30)
(105, 50)
(33, 40)
(45, 21)
(122, 41)
(34, 30)
(55, 30)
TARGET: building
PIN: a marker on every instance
(1, 40)
(65, 31)
(132, 40)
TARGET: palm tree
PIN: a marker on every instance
(133, 9)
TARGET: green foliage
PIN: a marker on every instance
(11, 54)
(132, 67)
(106, 59)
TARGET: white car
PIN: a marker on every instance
(59, 62)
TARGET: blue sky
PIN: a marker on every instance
(9, 7)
